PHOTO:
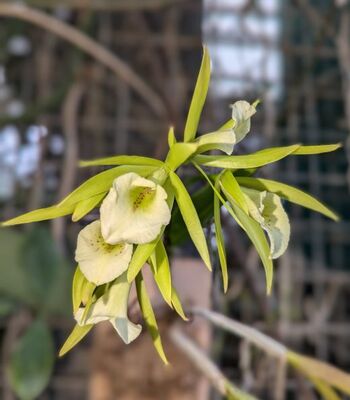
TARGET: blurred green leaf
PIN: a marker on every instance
(324, 390)
(7, 306)
(289, 193)
(254, 160)
(77, 334)
(233, 190)
(31, 363)
(149, 317)
(47, 273)
(190, 216)
(320, 370)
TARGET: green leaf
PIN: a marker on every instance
(254, 160)
(180, 153)
(220, 238)
(149, 317)
(31, 363)
(82, 290)
(198, 98)
(190, 217)
(318, 149)
(227, 125)
(234, 192)
(141, 254)
(171, 137)
(41, 214)
(77, 334)
(289, 193)
(203, 201)
(175, 300)
(85, 206)
(161, 271)
(102, 182)
(123, 160)
(255, 234)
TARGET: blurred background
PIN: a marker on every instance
(64, 97)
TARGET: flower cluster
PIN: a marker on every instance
(133, 212)
(136, 202)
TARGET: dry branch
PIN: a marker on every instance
(88, 45)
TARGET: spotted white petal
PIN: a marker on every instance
(134, 210)
(112, 307)
(267, 209)
(220, 140)
(242, 111)
(99, 261)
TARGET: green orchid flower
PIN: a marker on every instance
(242, 111)
(99, 261)
(134, 210)
(113, 307)
(267, 209)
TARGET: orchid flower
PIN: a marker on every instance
(99, 261)
(134, 210)
(112, 307)
(267, 209)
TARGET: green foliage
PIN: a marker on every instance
(198, 99)
(254, 203)
(149, 317)
(31, 362)
(190, 217)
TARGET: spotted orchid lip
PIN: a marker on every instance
(99, 261)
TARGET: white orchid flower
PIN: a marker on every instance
(99, 261)
(134, 210)
(242, 111)
(267, 209)
(112, 307)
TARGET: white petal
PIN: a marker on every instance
(134, 211)
(267, 209)
(100, 262)
(113, 306)
(242, 111)
(221, 140)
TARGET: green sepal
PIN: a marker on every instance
(220, 243)
(317, 149)
(254, 232)
(190, 217)
(77, 334)
(85, 206)
(198, 98)
(254, 160)
(161, 271)
(149, 317)
(171, 137)
(179, 153)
